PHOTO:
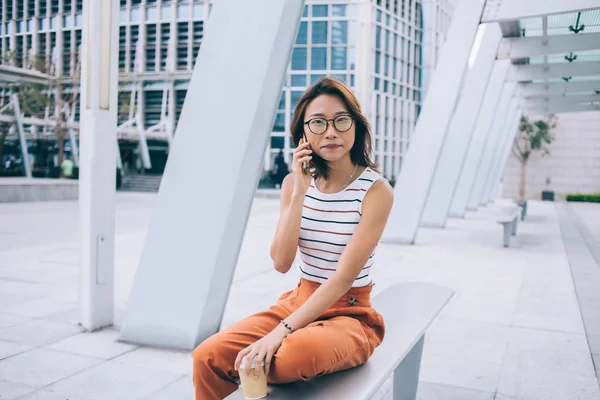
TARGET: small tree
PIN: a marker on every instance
(56, 100)
(533, 136)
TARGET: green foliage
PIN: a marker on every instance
(588, 198)
(533, 136)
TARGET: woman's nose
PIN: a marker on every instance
(331, 132)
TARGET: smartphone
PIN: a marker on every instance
(304, 163)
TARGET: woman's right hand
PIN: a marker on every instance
(302, 177)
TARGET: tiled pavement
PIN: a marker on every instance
(513, 331)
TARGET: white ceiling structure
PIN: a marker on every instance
(555, 52)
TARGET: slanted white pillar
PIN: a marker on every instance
(97, 172)
(491, 145)
(502, 154)
(418, 166)
(461, 127)
(498, 151)
(187, 264)
(21, 132)
(481, 135)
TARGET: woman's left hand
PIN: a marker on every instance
(263, 349)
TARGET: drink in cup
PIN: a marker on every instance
(251, 387)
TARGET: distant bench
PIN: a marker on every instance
(408, 309)
(508, 219)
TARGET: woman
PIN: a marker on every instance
(334, 208)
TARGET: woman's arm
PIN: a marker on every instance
(376, 208)
(285, 242)
(293, 190)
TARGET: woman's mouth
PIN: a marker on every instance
(331, 146)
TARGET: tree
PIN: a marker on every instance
(533, 136)
(52, 104)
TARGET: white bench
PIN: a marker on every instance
(508, 220)
(408, 309)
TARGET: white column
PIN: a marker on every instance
(21, 133)
(364, 56)
(507, 152)
(187, 264)
(505, 143)
(491, 146)
(97, 175)
(481, 135)
(460, 130)
(420, 160)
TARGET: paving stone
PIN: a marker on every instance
(114, 381)
(41, 367)
(435, 391)
(101, 344)
(8, 349)
(38, 332)
(11, 390)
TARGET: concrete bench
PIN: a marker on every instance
(509, 219)
(408, 309)
(523, 205)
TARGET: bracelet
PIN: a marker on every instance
(287, 325)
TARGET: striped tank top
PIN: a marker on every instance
(328, 222)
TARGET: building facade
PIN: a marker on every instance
(383, 49)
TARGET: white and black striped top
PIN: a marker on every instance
(328, 221)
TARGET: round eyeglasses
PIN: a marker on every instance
(341, 123)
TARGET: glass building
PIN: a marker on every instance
(383, 49)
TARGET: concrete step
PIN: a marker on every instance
(141, 183)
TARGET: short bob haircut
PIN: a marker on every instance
(361, 150)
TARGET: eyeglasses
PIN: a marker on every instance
(319, 126)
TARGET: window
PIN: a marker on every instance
(279, 125)
(320, 11)
(182, 53)
(151, 35)
(295, 97)
(319, 32)
(122, 36)
(339, 32)
(183, 11)
(198, 31)
(165, 12)
(135, 14)
(298, 80)
(151, 14)
(316, 77)
(281, 105)
(150, 60)
(277, 142)
(338, 10)
(299, 58)
(318, 58)
(121, 60)
(197, 10)
(338, 58)
(302, 37)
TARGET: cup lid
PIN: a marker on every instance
(253, 365)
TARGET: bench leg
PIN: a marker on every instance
(507, 230)
(406, 375)
(514, 227)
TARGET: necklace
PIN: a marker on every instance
(347, 180)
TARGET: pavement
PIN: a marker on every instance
(521, 325)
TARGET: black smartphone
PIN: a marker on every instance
(304, 163)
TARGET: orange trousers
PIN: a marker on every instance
(343, 337)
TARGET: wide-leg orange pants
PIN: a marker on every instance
(345, 336)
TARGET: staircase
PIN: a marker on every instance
(140, 183)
